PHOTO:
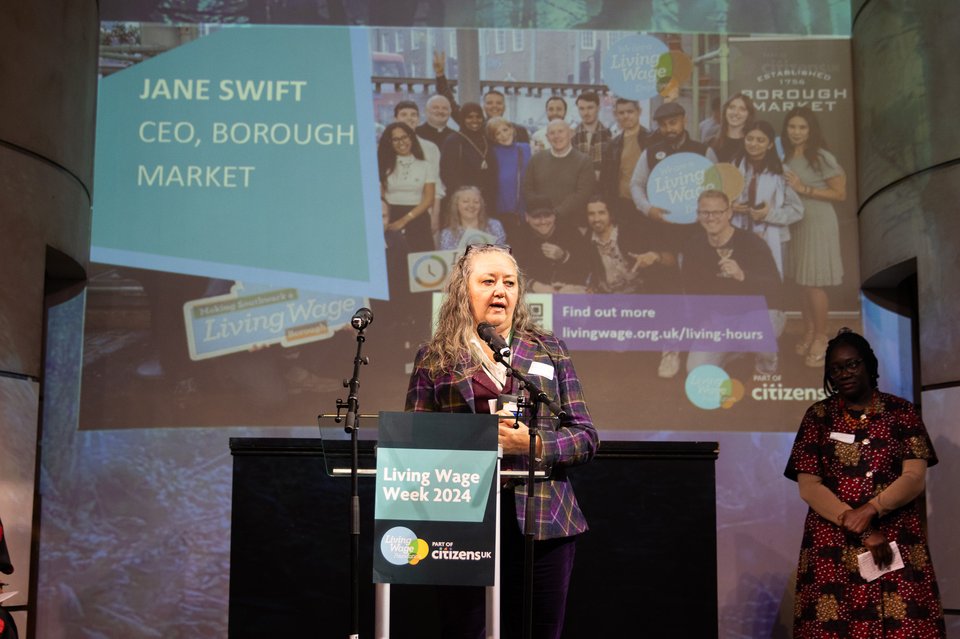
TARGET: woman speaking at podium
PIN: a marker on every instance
(456, 372)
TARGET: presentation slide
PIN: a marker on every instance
(252, 184)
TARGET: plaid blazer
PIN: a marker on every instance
(595, 148)
(573, 440)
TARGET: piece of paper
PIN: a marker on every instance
(6, 595)
(868, 568)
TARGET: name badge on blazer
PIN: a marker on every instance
(541, 369)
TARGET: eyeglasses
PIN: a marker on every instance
(851, 366)
(401, 138)
(480, 247)
(703, 213)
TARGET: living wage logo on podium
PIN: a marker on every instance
(400, 546)
(436, 473)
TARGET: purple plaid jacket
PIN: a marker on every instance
(572, 441)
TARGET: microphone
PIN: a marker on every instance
(488, 333)
(362, 318)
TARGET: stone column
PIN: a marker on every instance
(908, 94)
(48, 81)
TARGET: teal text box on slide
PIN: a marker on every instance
(248, 154)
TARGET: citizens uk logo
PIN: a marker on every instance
(709, 387)
(401, 545)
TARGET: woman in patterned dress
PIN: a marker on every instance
(860, 459)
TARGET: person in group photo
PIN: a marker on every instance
(456, 372)
(720, 259)
(407, 189)
(624, 258)
(621, 155)
(561, 174)
(493, 102)
(860, 460)
(737, 113)
(591, 135)
(512, 158)
(467, 157)
(554, 255)
(495, 106)
(435, 128)
(671, 137)
(814, 260)
(468, 214)
(629, 257)
(767, 206)
(555, 108)
(407, 186)
(408, 112)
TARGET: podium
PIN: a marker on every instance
(649, 559)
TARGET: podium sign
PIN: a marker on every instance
(435, 511)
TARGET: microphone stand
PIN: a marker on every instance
(352, 405)
(537, 398)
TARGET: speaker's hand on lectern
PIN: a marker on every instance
(514, 435)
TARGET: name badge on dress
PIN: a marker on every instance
(846, 438)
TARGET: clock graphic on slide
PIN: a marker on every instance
(430, 271)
